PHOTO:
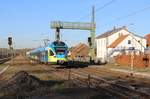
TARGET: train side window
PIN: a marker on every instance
(51, 53)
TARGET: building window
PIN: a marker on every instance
(120, 34)
(147, 45)
(129, 41)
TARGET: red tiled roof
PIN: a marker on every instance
(117, 41)
(80, 50)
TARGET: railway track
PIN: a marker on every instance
(4, 68)
(121, 77)
(83, 77)
(120, 89)
(3, 60)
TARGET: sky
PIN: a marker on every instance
(28, 21)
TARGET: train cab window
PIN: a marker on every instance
(51, 53)
(60, 50)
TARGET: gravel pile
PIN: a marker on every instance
(20, 83)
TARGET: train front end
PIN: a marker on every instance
(58, 53)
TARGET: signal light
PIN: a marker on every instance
(9, 41)
(89, 41)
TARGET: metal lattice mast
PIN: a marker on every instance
(92, 47)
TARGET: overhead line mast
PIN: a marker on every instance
(92, 47)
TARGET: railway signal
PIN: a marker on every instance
(9, 41)
(89, 41)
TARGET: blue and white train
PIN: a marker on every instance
(54, 53)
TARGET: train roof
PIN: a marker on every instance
(40, 49)
(53, 44)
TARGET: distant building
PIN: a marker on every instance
(118, 41)
(80, 51)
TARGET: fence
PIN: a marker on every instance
(141, 60)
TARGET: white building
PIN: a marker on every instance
(118, 41)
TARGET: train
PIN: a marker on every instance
(54, 53)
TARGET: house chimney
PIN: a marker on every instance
(125, 27)
(114, 28)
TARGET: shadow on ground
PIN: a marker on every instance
(74, 64)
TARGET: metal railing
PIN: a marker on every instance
(122, 50)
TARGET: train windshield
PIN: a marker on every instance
(60, 50)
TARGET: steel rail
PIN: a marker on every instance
(5, 59)
(101, 80)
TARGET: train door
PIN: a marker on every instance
(46, 56)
